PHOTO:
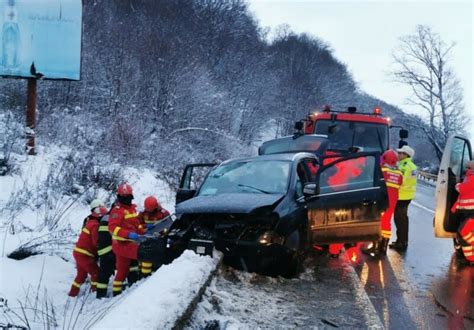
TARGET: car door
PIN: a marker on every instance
(193, 176)
(456, 154)
(352, 195)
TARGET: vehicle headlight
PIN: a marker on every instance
(270, 237)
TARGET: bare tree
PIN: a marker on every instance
(422, 63)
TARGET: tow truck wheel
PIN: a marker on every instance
(457, 247)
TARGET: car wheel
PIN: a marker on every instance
(294, 242)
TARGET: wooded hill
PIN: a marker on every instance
(169, 82)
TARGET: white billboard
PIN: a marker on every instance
(41, 38)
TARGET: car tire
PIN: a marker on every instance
(457, 247)
(295, 243)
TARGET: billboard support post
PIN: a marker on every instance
(31, 116)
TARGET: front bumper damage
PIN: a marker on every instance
(248, 246)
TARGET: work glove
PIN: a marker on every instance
(133, 236)
(149, 226)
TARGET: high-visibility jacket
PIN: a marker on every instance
(123, 220)
(393, 180)
(104, 243)
(465, 201)
(87, 242)
(408, 188)
(153, 217)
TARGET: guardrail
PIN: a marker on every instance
(427, 176)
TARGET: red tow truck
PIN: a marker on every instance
(352, 131)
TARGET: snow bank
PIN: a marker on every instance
(39, 284)
(163, 299)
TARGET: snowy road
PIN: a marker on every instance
(410, 290)
(323, 296)
(415, 289)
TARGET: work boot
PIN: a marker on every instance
(101, 293)
(383, 244)
(74, 291)
(372, 250)
(398, 246)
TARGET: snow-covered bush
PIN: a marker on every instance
(170, 156)
(82, 173)
(52, 243)
(72, 178)
(11, 139)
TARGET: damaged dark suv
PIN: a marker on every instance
(263, 211)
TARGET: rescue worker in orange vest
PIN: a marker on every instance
(125, 228)
(85, 252)
(153, 214)
(464, 206)
(393, 180)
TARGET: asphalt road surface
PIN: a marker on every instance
(426, 286)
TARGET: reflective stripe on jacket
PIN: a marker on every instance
(104, 244)
(153, 217)
(465, 199)
(87, 242)
(123, 220)
(408, 187)
(393, 180)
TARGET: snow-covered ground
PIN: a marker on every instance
(325, 295)
(164, 297)
(33, 291)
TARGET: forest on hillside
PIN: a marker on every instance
(170, 82)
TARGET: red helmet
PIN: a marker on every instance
(151, 204)
(390, 157)
(124, 190)
(99, 211)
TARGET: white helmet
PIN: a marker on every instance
(96, 203)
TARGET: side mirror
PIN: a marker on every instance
(403, 134)
(184, 194)
(310, 189)
(402, 143)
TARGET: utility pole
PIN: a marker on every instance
(31, 116)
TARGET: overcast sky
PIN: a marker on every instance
(363, 35)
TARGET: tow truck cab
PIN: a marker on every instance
(351, 130)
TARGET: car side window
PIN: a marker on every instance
(349, 174)
(300, 179)
(460, 155)
(306, 172)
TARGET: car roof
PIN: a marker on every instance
(274, 157)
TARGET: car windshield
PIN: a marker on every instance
(344, 135)
(258, 177)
